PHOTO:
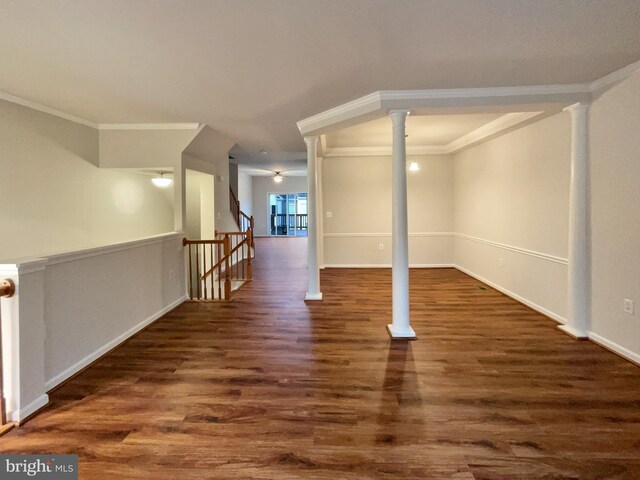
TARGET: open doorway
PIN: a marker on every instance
(288, 214)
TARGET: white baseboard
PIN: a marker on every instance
(30, 409)
(75, 368)
(515, 296)
(614, 347)
(388, 265)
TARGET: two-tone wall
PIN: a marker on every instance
(615, 217)
(55, 198)
(357, 211)
(499, 212)
(511, 213)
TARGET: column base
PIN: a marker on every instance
(313, 296)
(407, 334)
(574, 332)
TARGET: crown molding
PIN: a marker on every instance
(603, 84)
(355, 108)
(98, 126)
(505, 122)
(149, 126)
(499, 125)
(383, 151)
(45, 109)
(532, 91)
(379, 103)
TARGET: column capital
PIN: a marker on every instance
(311, 140)
(578, 107)
(399, 113)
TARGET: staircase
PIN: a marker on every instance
(219, 267)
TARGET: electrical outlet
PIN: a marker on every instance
(329, 214)
(501, 262)
(219, 216)
(381, 246)
(628, 306)
(170, 274)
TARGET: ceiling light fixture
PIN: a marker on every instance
(161, 181)
(413, 166)
(278, 178)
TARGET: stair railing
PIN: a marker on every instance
(241, 253)
(209, 267)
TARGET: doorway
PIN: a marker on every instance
(288, 215)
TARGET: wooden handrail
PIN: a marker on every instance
(231, 233)
(186, 242)
(221, 261)
(7, 288)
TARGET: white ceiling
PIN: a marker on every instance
(252, 68)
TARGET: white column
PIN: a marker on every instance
(400, 328)
(320, 216)
(313, 271)
(579, 262)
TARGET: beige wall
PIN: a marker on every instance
(199, 202)
(245, 192)
(262, 186)
(57, 199)
(511, 212)
(615, 220)
(357, 192)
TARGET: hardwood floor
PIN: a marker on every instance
(268, 387)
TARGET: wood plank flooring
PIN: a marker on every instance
(268, 387)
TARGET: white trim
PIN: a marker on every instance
(614, 347)
(532, 253)
(504, 246)
(45, 109)
(75, 368)
(378, 103)
(554, 316)
(116, 247)
(312, 296)
(36, 265)
(484, 92)
(367, 234)
(600, 85)
(384, 151)
(148, 126)
(573, 332)
(88, 123)
(387, 265)
(505, 122)
(33, 407)
(490, 129)
(31, 266)
(360, 106)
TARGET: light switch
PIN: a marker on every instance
(329, 214)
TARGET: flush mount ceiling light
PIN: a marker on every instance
(278, 178)
(413, 166)
(161, 181)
